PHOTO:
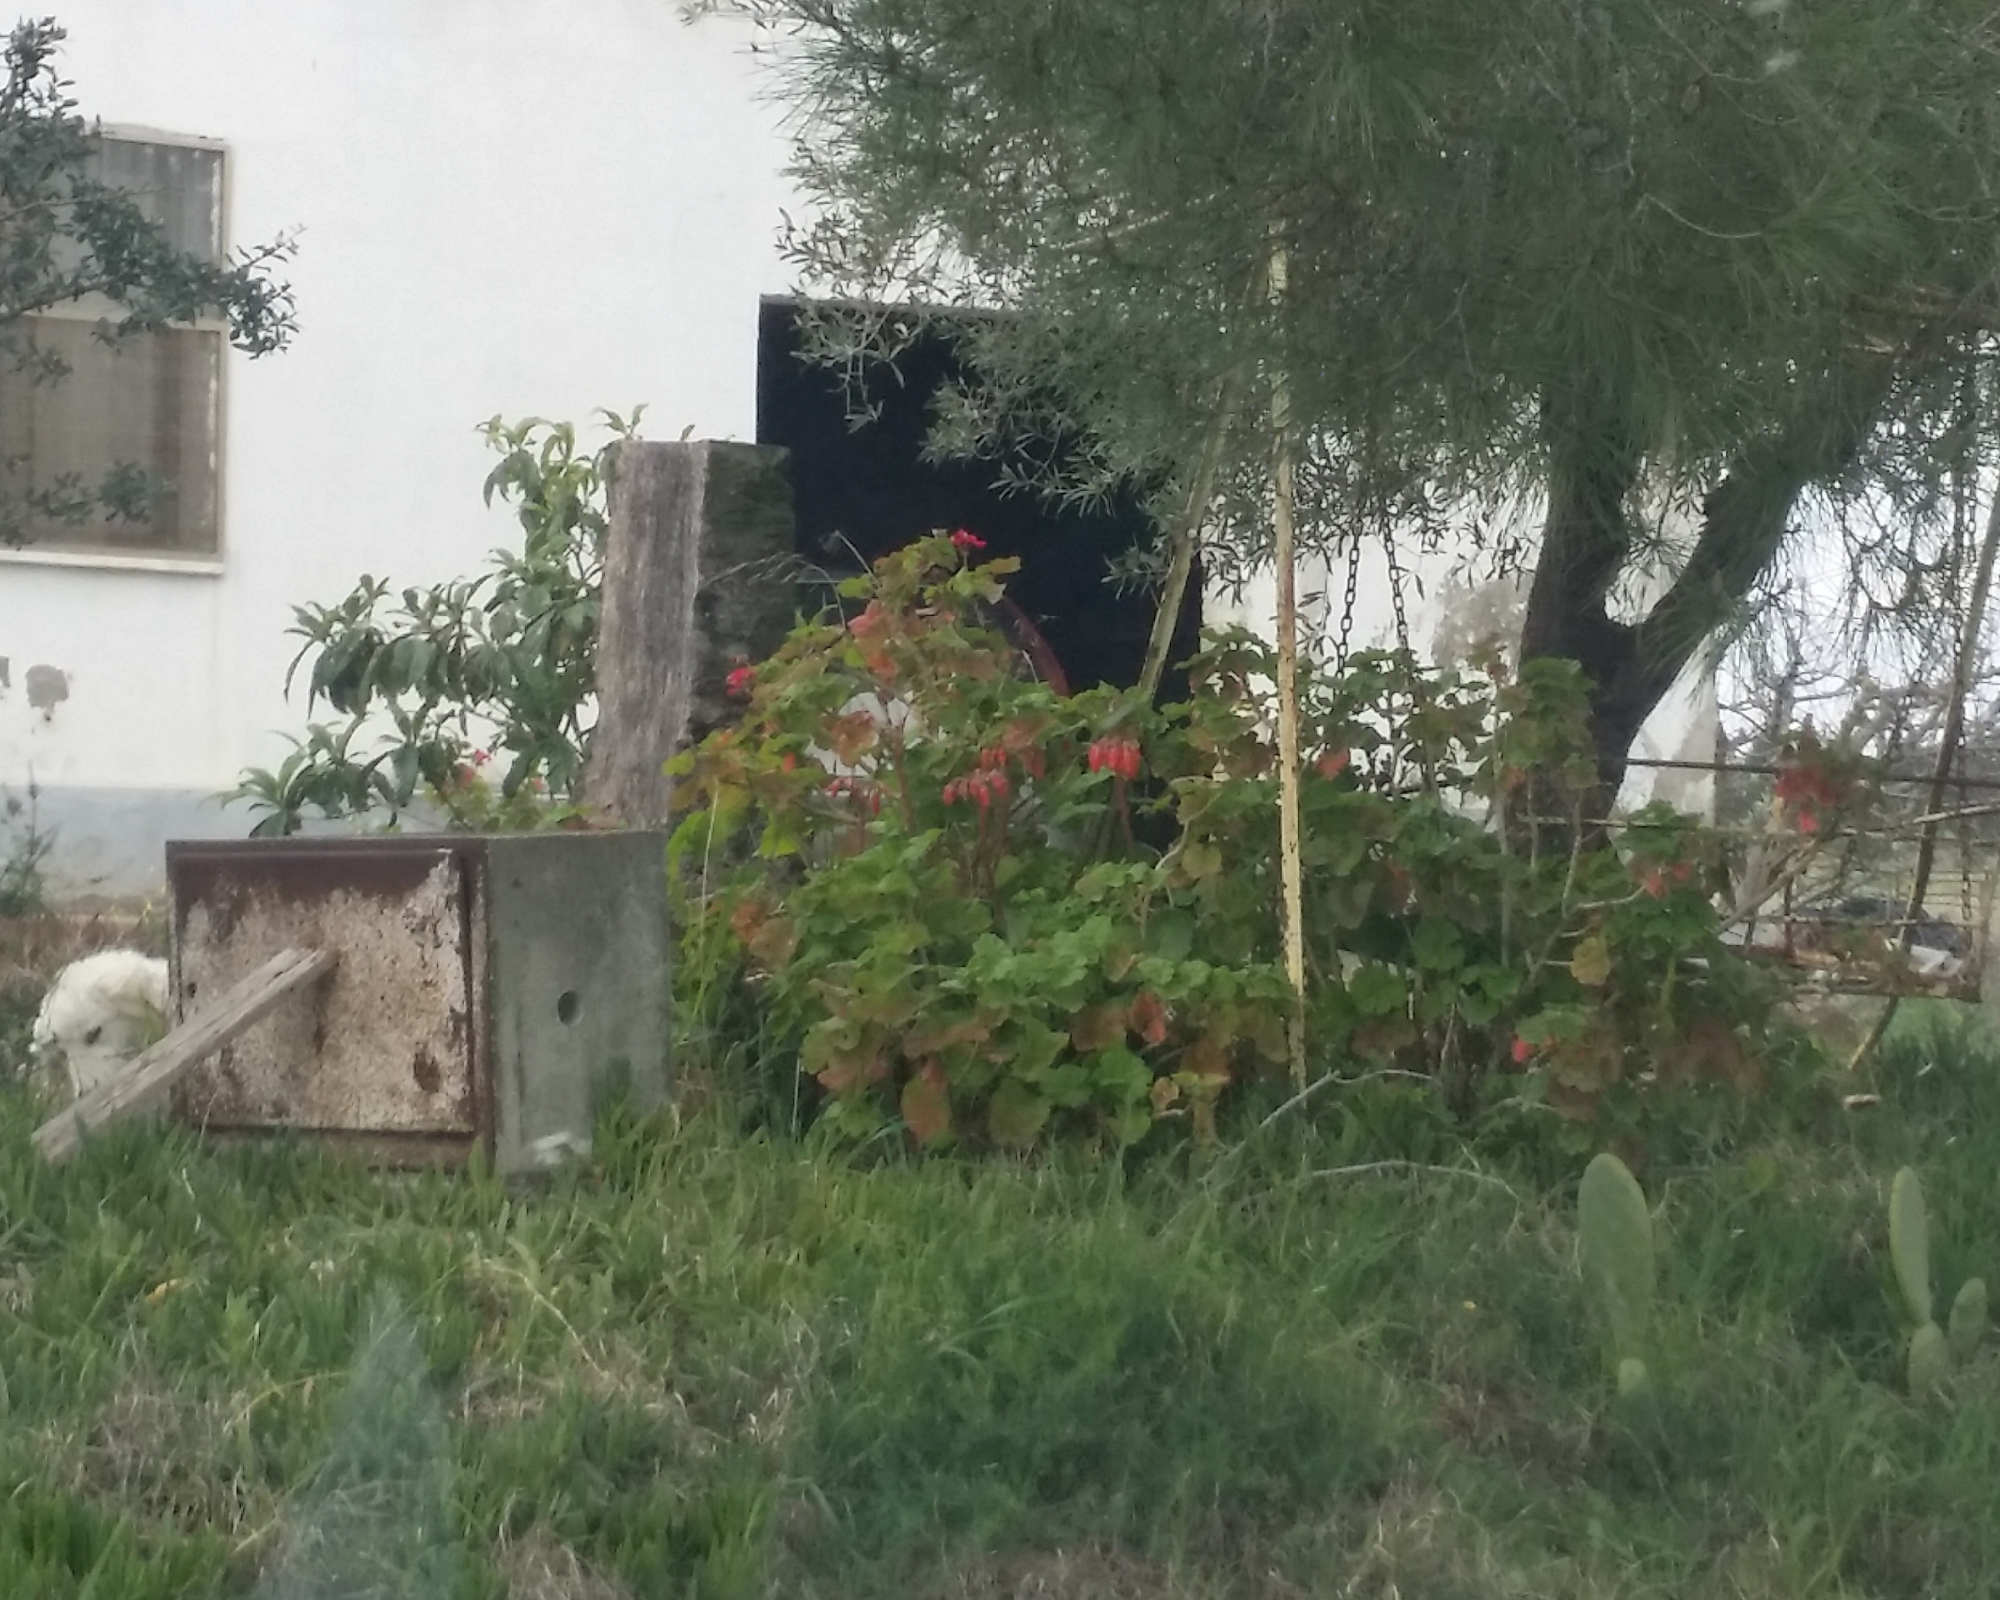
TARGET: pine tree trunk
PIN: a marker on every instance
(1182, 548)
(1587, 542)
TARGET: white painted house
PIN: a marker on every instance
(513, 207)
(523, 207)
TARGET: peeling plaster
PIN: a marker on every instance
(47, 687)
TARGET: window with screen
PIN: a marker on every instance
(150, 404)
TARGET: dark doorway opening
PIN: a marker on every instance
(870, 489)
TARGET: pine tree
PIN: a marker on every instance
(1735, 255)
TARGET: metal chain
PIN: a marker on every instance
(1345, 644)
(1396, 592)
(1965, 851)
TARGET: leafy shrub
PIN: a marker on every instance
(432, 681)
(1468, 949)
(930, 872)
(947, 909)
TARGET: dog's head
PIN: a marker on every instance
(99, 1013)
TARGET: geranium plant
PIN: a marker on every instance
(946, 906)
(936, 875)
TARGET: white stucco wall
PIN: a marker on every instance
(505, 206)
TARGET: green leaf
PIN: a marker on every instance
(1437, 945)
(1017, 1114)
(1121, 1075)
(403, 763)
(1378, 991)
(1345, 901)
(1068, 1084)
(1199, 859)
(1170, 933)
(1496, 983)
(1590, 962)
(1032, 1047)
(781, 837)
(1103, 880)
(1132, 1121)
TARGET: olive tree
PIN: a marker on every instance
(1729, 259)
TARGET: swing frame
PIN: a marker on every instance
(1871, 952)
(1829, 952)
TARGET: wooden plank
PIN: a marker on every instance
(145, 1081)
(697, 568)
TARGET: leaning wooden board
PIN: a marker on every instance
(144, 1082)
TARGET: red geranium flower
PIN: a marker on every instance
(1115, 755)
(966, 539)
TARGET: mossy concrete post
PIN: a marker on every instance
(698, 570)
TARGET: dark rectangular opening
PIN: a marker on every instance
(862, 491)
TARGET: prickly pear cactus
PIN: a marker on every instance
(1617, 1235)
(1910, 1245)
(1967, 1325)
(1930, 1360)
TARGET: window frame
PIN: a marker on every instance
(97, 308)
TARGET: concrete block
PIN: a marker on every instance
(491, 990)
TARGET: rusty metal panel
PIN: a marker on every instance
(390, 1044)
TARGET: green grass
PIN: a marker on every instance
(714, 1364)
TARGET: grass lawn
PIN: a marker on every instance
(712, 1364)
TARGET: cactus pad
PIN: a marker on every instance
(1617, 1234)
(1930, 1360)
(1910, 1244)
(1968, 1319)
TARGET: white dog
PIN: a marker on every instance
(100, 1013)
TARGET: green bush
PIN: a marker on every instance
(934, 878)
(434, 684)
